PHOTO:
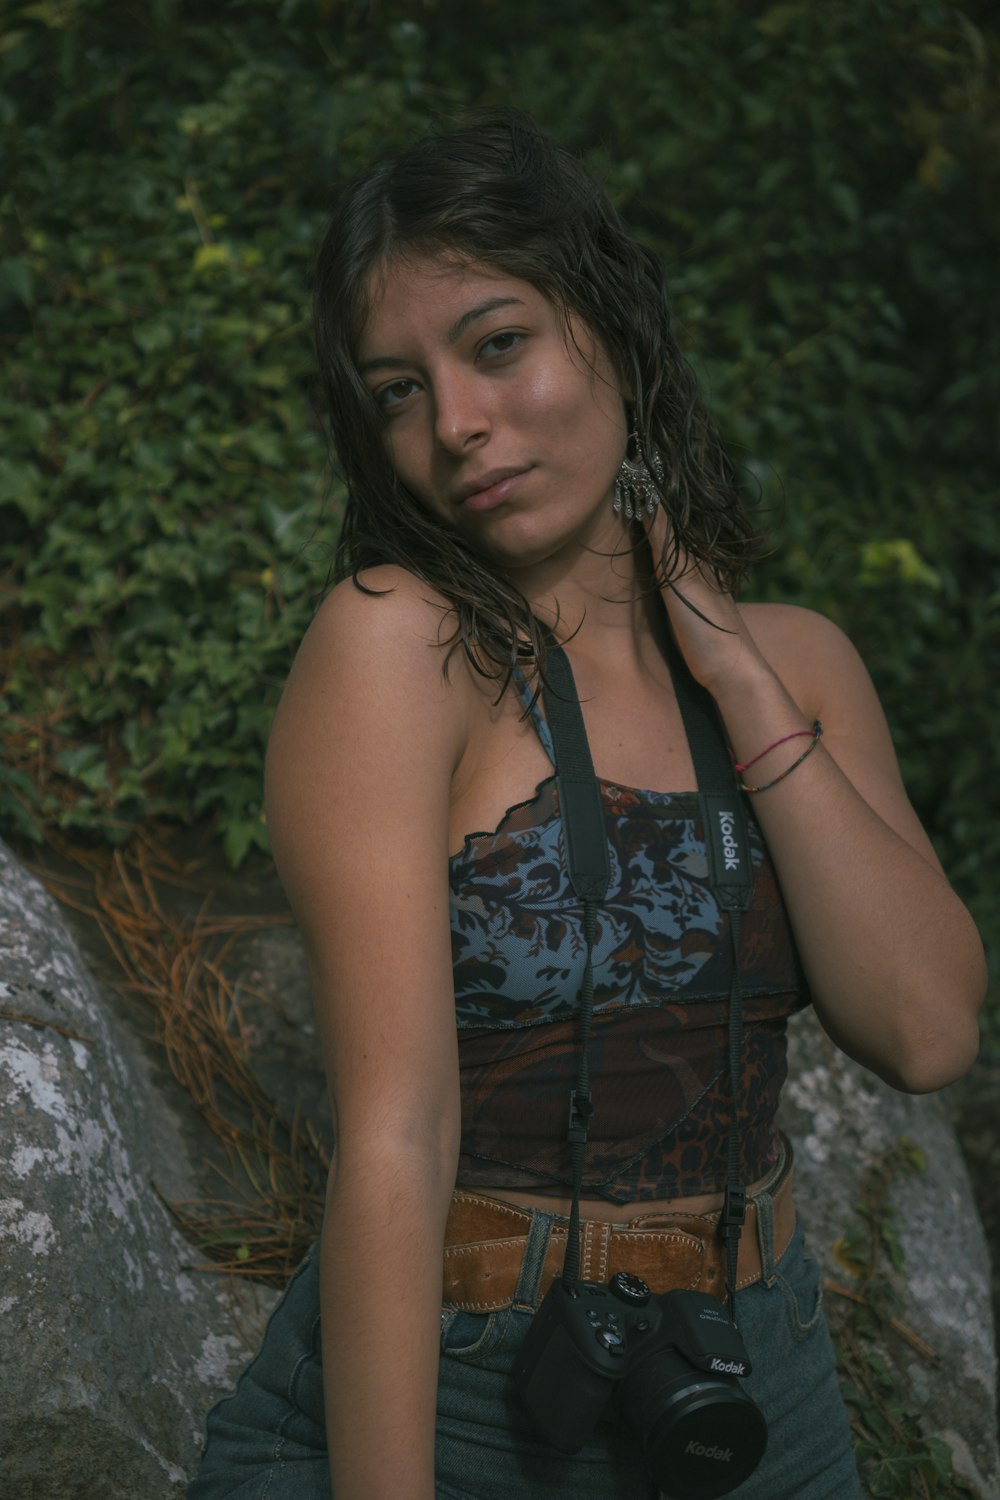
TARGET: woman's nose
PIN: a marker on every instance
(461, 417)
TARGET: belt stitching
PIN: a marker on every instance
(559, 1231)
(608, 1230)
(473, 1245)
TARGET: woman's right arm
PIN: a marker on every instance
(360, 763)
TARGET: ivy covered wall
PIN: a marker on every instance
(823, 181)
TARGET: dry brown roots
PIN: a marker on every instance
(175, 968)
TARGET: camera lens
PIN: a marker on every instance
(702, 1435)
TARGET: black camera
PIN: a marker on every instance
(673, 1361)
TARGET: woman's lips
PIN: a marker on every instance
(492, 490)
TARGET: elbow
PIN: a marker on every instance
(934, 1062)
(926, 1045)
(398, 1154)
(933, 1037)
(941, 1048)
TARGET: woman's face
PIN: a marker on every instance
(496, 420)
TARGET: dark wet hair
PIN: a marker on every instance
(504, 193)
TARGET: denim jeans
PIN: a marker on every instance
(267, 1440)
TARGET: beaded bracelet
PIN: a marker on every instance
(796, 734)
(815, 732)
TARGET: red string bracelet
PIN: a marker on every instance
(796, 734)
(814, 732)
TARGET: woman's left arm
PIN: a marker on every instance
(893, 958)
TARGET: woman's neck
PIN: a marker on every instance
(606, 604)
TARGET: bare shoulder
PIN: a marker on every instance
(813, 657)
(383, 643)
(368, 719)
(388, 616)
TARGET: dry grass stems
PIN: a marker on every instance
(273, 1168)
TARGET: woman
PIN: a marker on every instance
(526, 453)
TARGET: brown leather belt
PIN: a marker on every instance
(485, 1243)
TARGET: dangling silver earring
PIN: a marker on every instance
(637, 483)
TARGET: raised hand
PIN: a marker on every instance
(708, 625)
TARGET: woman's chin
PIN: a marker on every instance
(520, 545)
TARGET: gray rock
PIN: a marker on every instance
(840, 1118)
(113, 1348)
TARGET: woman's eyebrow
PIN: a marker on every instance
(393, 361)
(467, 319)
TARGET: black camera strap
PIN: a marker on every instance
(731, 872)
(727, 836)
(589, 867)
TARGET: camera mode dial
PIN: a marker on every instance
(630, 1289)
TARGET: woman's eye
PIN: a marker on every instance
(388, 396)
(500, 343)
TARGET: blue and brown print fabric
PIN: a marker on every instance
(659, 1039)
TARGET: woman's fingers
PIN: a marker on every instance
(706, 623)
